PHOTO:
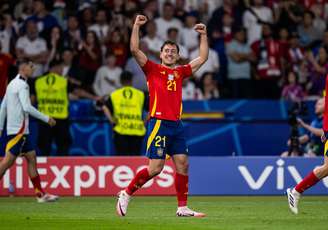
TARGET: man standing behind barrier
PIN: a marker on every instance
(124, 110)
(52, 97)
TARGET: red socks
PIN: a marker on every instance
(181, 186)
(307, 182)
(138, 181)
(37, 186)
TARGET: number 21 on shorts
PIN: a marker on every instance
(160, 141)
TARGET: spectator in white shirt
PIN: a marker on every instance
(8, 33)
(101, 26)
(107, 77)
(152, 41)
(189, 35)
(190, 91)
(172, 35)
(33, 48)
(253, 18)
(167, 21)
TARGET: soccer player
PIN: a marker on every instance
(166, 133)
(320, 172)
(16, 106)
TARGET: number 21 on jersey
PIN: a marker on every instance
(171, 85)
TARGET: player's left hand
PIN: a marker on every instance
(0, 133)
(200, 28)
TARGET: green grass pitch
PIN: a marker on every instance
(226, 213)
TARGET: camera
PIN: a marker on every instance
(296, 110)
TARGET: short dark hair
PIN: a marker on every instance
(168, 4)
(172, 29)
(24, 61)
(54, 63)
(169, 42)
(309, 12)
(126, 77)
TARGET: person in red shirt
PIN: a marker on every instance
(320, 172)
(165, 130)
(5, 62)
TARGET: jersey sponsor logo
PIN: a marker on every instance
(163, 72)
(159, 113)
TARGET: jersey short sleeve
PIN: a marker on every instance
(185, 70)
(148, 68)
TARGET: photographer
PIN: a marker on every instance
(309, 143)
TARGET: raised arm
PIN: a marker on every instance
(203, 48)
(140, 57)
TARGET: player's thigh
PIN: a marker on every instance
(8, 160)
(28, 148)
(15, 144)
(157, 139)
(178, 142)
(181, 163)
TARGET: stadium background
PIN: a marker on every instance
(239, 150)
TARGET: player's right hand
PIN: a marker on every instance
(52, 122)
(140, 20)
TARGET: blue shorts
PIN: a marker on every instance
(17, 144)
(165, 137)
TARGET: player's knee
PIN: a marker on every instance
(31, 159)
(155, 171)
(321, 171)
(324, 170)
(182, 167)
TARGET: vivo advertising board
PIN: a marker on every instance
(251, 175)
(92, 176)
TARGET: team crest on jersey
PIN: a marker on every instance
(160, 152)
(170, 77)
(176, 74)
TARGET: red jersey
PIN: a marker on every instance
(325, 114)
(165, 89)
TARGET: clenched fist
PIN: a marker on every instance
(200, 28)
(140, 20)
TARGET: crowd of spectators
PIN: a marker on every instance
(258, 49)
